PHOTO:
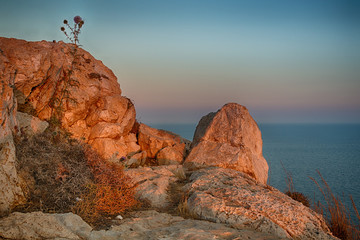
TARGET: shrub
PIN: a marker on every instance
(298, 196)
(55, 170)
(111, 194)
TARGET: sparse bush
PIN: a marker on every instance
(298, 196)
(110, 195)
(56, 172)
(63, 175)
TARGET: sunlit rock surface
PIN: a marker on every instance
(165, 146)
(228, 196)
(229, 138)
(153, 183)
(145, 225)
(94, 111)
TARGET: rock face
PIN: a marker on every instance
(229, 138)
(30, 125)
(10, 184)
(153, 183)
(51, 76)
(145, 225)
(166, 147)
(228, 196)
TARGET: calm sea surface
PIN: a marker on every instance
(333, 149)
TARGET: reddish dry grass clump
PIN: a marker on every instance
(110, 195)
(337, 214)
(64, 175)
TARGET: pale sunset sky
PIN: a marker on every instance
(287, 61)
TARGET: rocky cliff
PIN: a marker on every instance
(221, 182)
(48, 76)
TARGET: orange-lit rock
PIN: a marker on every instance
(94, 111)
(11, 192)
(160, 144)
(228, 196)
(229, 138)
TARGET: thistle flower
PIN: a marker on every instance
(77, 19)
(65, 21)
(62, 29)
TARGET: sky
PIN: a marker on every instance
(287, 61)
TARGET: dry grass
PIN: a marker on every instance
(63, 175)
(297, 196)
(336, 213)
(56, 172)
(111, 194)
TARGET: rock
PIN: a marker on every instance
(11, 192)
(30, 125)
(136, 160)
(38, 225)
(231, 197)
(11, 185)
(153, 183)
(149, 225)
(171, 155)
(229, 138)
(154, 140)
(153, 225)
(94, 111)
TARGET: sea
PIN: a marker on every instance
(303, 150)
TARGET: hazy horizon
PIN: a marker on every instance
(286, 61)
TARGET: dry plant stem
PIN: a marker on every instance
(339, 220)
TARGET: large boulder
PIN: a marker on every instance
(229, 138)
(165, 146)
(55, 77)
(11, 192)
(231, 197)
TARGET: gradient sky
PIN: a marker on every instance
(287, 61)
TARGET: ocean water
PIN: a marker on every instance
(332, 149)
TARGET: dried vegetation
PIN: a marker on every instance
(63, 175)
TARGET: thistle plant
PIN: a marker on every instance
(62, 93)
(73, 36)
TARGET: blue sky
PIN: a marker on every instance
(287, 61)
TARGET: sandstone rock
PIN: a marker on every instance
(136, 160)
(38, 225)
(153, 183)
(11, 192)
(229, 138)
(154, 140)
(94, 111)
(143, 225)
(30, 125)
(171, 155)
(231, 197)
(153, 225)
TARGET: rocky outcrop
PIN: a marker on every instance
(57, 77)
(229, 138)
(153, 183)
(166, 147)
(11, 192)
(149, 225)
(30, 125)
(228, 196)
